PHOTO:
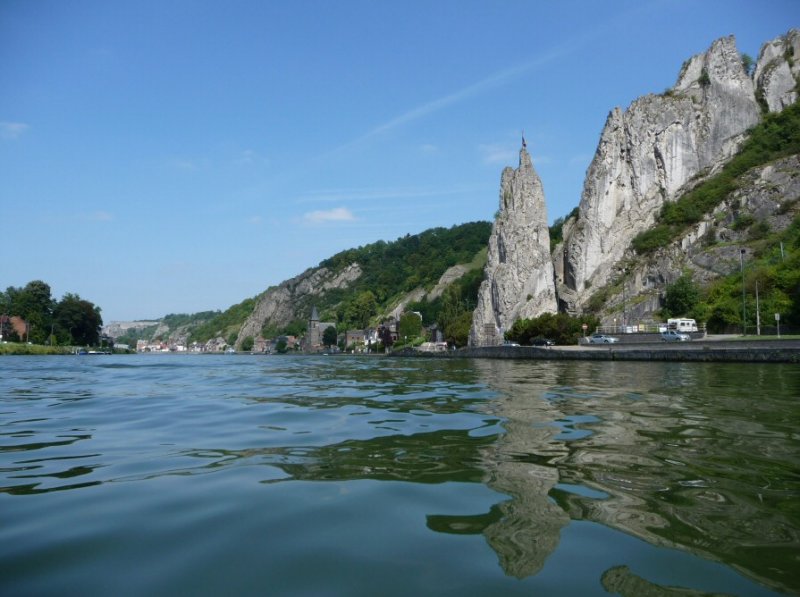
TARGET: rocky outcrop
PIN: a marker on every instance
(767, 200)
(452, 274)
(519, 280)
(281, 304)
(646, 157)
(777, 73)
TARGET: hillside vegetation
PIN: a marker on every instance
(770, 271)
(390, 269)
(419, 260)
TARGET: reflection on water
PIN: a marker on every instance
(703, 458)
(700, 458)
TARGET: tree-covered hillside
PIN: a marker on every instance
(389, 271)
(391, 268)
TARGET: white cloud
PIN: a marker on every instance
(337, 214)
(250, 157)
(254, 220)
(100, 216)
(428, 148)
(12, 130)
(494, 80)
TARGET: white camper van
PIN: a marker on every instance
(682, 325)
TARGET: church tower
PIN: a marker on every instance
(313, 335)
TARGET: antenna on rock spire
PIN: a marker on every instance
(524, 145)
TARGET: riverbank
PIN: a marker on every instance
(18, 348)
(706, 351)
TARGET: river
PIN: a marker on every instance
(252, 475)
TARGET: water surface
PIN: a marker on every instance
(208, 475)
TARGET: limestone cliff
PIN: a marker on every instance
(778, 71)
(647, 155)
(519, 279)
(768, 196)
(290, 299)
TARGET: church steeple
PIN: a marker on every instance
(314, 314)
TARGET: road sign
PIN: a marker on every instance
(777, 316)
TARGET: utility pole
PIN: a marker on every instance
(758, 313)
(624, 308)
(744, 308)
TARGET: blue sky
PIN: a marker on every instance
(176, 156)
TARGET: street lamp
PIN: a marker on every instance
(744, 308)
(623, 272)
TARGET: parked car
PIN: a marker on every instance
(542, 342)
(507, 343)
(602, 339)
(673, 336)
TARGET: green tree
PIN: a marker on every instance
(34, 304)
(329, 336)
(77, 321)
(296, 328)
(681, 297)
(457, 330)
(248, 343)
(559, 327)
(748, 63)
(281, 346)
(410, 325)
(361, 309)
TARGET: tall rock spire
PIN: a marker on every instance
(519, 279)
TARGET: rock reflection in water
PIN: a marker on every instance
(523, 464)
(700, 460)
(621, 581)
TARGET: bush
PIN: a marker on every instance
(742, 222)
(559, 327)
(650, 240)
(759, 231)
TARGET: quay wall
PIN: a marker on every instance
(751, 352)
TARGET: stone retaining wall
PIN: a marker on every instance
(754, 352)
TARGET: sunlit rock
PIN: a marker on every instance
(519, 279)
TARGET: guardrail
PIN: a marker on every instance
(641, 328)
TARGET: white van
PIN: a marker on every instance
(682, 325)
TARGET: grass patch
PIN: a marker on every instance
(18, 348)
